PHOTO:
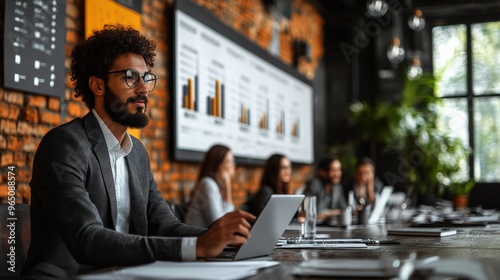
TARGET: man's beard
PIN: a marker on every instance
(119, 112)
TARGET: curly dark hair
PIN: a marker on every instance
(95, 56)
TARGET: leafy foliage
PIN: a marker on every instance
(409, 127)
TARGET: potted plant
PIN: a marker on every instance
(409, 127)
(460, 192)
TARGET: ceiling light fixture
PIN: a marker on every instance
(416, 22)
(395, 52)
(377, 8)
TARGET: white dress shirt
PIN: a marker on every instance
(117, 153)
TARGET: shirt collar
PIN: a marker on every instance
(111, 141)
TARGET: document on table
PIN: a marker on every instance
(322, 246)
(194, 270)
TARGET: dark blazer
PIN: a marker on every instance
(73, 207)
(315, 187)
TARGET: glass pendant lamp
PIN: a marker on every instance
(395, 52)
(416, 22)
(377, 8)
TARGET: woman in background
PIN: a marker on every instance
(275, 179)
(365, 186)
(212, 197)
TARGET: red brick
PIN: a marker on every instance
(14, 112)
(4, 110)
(13, 143)
(31, 115)
(3, 191)
(29, 159)
(71, 37)
(41, 130)
(7, 127)
(75, 109)
(3, 142)
(28, 143)
(24, 191)
(49, 117)
(7, 158)
(54, 104)
(19, 159)
(14, 97)
(24, 128)
(37, 101)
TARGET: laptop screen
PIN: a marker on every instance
(269, 226)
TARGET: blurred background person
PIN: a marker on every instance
(365, 185)
(326, 186)
(275, 180)
(212, 195)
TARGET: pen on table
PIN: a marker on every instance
(369, 241)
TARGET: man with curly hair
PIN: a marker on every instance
(95, 202)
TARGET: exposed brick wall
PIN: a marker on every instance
(25, 118)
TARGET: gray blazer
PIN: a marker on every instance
(316, 188)
(73, 207)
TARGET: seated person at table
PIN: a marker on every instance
(212, 196)
(365, 185)
(275, 180)
(327, 188)
(94, 201)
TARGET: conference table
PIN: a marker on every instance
(481, 244)
(478, 244)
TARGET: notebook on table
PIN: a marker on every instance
(436, 232)
(267, 228)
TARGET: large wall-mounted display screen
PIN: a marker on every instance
(229, 91)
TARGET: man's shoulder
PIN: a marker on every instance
(314, 183)
(73, 127)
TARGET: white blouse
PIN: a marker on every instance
(207, 205)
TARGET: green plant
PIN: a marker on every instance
(461, 188)
(409, 127)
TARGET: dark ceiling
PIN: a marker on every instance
(436, 10)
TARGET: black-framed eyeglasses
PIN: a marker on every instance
(133, 77)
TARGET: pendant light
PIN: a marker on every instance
(416, 22)
(377, 8)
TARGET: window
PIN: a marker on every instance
(466, 61)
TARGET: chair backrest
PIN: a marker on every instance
(15, 237)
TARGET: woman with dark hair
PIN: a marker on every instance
(275, 180)
(211, 197)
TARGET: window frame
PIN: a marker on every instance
(469, 94)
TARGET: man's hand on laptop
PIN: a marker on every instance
(231, 229)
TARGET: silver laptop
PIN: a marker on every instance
(267, 228)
